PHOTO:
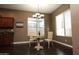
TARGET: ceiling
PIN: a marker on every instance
(43, 8)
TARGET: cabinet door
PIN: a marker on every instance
(6, 22)
(10, 22)
(8, 38)
(1, 22)
(1, 39)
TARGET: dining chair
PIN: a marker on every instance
(49, 38)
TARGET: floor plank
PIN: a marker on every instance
(24, 49)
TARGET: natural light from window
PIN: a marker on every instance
(63, 24)
(34, 27)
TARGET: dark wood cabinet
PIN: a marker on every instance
(6, 35)
(6, 22)
(6, 38)
(1, 38)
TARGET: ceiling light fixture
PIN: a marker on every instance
(38, 15)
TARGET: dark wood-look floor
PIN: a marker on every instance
(23, 49)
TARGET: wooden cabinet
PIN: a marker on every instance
(6, 38)
(1, 38)
(6, 22)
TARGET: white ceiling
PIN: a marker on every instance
(32, 7)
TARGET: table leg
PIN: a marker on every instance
(29, 44)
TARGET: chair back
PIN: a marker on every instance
(50, 35)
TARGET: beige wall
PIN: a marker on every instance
(67, 40)
(75, 27)
(21, 16)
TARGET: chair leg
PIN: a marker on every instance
(48, 44)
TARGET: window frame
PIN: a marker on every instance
(63, 25)
(36, 27)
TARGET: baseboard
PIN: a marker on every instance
(53, 41)
(21, 42)
(24, 42)
(62, 43)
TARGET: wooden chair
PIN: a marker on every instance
(50, 37)
(31, 38)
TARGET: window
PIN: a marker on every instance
(60, 25)
(35, 26)
(68, 30)
(63, 24)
